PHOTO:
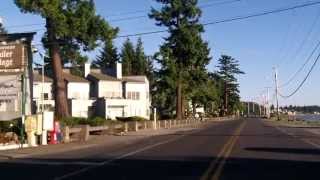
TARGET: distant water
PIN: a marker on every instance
(308, 117)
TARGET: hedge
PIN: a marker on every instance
(129, 119)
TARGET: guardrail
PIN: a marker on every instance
(83, 131)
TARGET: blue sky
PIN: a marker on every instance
(258, 43)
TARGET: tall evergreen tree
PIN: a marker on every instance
(127, 56)
(67, 22)
(139, 63)
(228, 69)
(180, 52)
(108, 56)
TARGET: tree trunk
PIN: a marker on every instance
(194, 111)
(61, 104)
(183, 115)
(178, 101)
(225, 108)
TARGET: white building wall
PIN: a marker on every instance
(80, 107)
(37, 89)
(78, 90)
(140, 106)
(130, 108)
(110, 89)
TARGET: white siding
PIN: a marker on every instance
(80, 108)
(77, 90)
(37, 90)
(110, 89)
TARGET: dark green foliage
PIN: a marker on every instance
(72, 27)
(184, 55)
(301, 109)
(139, 63)
(134, 60)
(228, 70)
(74, 121)
(127, 56)
(5, 126)
(131, 119)
(108, 56)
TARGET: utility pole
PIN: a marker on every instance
(253, 107)
(248, 108)
(267, 103)
(276, 89)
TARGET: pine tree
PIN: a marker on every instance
(108, 56)
(228, 69)
(127, 56)
(180, 54)
(139, 63)
(68, 22)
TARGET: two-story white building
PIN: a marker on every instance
(42, 92)
(78, 90)
(119, 96)
(99, 93)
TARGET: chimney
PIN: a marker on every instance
(119, 70)
(86, 69)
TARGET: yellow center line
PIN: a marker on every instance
(224, 153)
(221, 165)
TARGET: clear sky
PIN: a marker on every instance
(258, 43)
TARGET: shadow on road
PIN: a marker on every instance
(163, 167)
(286, 150)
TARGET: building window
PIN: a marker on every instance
(129, 95)
(133, 95)
(45, 96)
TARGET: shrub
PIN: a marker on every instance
(72, 121)
(5, 126)
(97, 121)
(130, 119)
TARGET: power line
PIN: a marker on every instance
(264, 13)
(302, 44)
(304, 80)
(314, 23)
(234, 18)
(302, 67)
(205, 5)
(202, 5)
(228, 20)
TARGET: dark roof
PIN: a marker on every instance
(73, 78)
(38, 78)
(15, 36)
(103, 77)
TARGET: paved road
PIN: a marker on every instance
(243, 149)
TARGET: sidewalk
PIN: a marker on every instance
(98, 140)
(128, 138)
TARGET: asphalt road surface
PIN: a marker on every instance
(242, 149)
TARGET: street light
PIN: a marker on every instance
(35, 50)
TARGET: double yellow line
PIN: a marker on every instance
(219, 162)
